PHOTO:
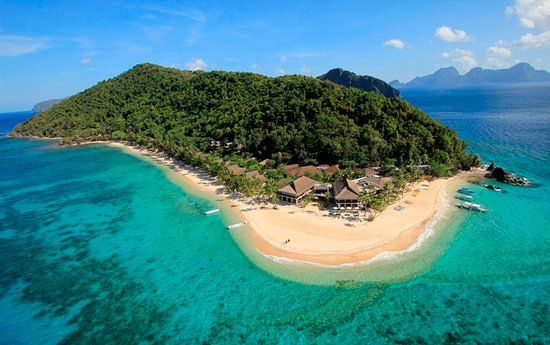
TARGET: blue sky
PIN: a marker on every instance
(53, 49)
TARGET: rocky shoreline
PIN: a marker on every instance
(501, 175)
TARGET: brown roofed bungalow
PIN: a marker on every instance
(366, 171)
(290, 168)
(296, 170)
(333, 169)
(376, 181)
(296, 190)
(346, 194)
(255, 174)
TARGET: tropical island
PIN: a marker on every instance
(334, 160)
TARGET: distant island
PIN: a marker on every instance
(43, 106)
(362, 82)
(291, 142)
(450, 77)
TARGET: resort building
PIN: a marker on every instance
(374, 182)
(346, 194)
(296, 170)
(321, 190)
(333, 169)
(366, 171)
(255, 174)
(290, 168)
(295, 191)
(322, 167)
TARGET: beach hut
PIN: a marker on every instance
(297, 190)
(255, 174)
(346, 194)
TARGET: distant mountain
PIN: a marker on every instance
(396, 84)
(442, 77)
(42, 106)
(363, 82)
(449, 76)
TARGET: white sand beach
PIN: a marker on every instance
(315, 236)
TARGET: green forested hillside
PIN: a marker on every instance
(295, 119)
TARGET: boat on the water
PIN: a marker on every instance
(464, 197)
(492, 187)
(466, 191)
(237, 225)
(212, 211)
(470, 206)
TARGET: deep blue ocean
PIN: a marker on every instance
(98, 246)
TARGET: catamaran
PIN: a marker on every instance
(212, 211)
(471, 207)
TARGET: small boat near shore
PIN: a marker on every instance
(236, 225)
(466, 191)
(492, 187)
(212, 211)
(464, 197)
(471, 207)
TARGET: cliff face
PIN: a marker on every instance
(362, 82)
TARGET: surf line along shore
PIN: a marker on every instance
(315, 237)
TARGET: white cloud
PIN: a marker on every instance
(395, 43)
(531, 13)
(465, 59)
(530, 40)
(256, 67)
(452, 35)
(86, 61)
(196, 65)
(499, 51)
(305, 70)
(279, 71)
(11, 45)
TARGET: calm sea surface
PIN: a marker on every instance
(97, 246)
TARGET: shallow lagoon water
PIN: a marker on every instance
(100, 246)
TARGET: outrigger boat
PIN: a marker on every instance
(495, 188)
(466, 191)
(471, 207)
(464, 197)
(237, 225)
(212, 211)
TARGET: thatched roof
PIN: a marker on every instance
(345, 190)
(366, 171)
(255, 174)
(296, 170)
(298, 187)
(333, 169)
(377, 181)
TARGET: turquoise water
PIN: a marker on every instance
(98, 246)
